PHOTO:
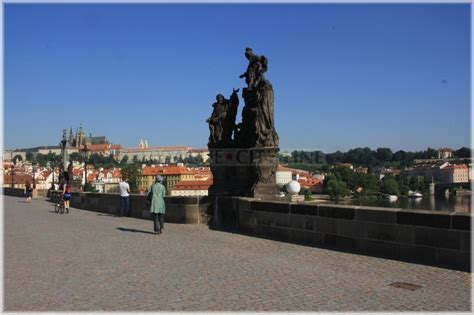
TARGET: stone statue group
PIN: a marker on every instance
(257, 127)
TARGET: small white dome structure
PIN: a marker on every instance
(293, 187)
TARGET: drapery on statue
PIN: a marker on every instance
(257, 128)
(258, 65)
(222, 120)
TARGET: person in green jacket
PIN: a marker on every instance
(157, 205)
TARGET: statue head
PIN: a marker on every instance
(220, 98)
(248, 52)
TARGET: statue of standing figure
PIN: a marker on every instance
(258, 128)
(222, 120)
(258, 65)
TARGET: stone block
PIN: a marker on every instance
(453, 259)
(174, 213)
(418, 254)
(325, 225)
(350, 228)
(265, 206)
(382, 232)
(405, 234)
(379, 248)
(243, 204)
(443, 238)
(281, 234)
(191, 213)
(466, 241)
(261, 230)
(309, 223)
(223, 203)
(282, 220)
(247, 219)
(337, 211)
(380, 215)
(297, 236)
(339, 241)
(304, 209)
(461, 221)
(424, 218)
(265, 218)
(298, 221)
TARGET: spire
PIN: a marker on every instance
(71, 138)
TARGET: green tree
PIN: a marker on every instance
(337, 189)
(75, 156)
(430, 153)
(131, 172)
(463, 152)
(17, 158)
(29, 156)
(124, 160)
(306, 192)
(88, 187)
(390, 185)
(384, 154)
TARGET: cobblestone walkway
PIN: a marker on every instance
(86, 261)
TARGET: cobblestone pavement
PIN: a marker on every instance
(87, 261)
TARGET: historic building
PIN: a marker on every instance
(192, 188)
(172, 175)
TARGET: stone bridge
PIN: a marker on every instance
(90, 261)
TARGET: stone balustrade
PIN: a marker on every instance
(428, 237)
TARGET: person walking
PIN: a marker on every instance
(157, 204)
(125, 197)
(28, 191)
(67, 190)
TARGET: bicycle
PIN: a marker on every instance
(58, 203)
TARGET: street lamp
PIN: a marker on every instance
(85, 150)
(34, 182)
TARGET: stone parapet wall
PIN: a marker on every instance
(20, 192)
(427, 237)
(190, 210)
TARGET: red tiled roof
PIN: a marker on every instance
(19, 179)
(457, 166)
(193, 185)
(199, 150)
(130, 150)
(165, 170)
(308, 182)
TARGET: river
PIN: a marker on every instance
(452, 203)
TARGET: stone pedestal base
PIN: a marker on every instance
(249, 172)
(296, 198)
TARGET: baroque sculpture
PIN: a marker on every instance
(255, 137)
(222, 120)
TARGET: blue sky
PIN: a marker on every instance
(344, 75)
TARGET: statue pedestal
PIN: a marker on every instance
(248, 172)
(296, 198)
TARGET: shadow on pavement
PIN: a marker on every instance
(108, 215)
(133, 230)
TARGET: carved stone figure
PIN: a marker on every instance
(216, 121)
(255, 70)
(257, 128)
(222, 120)
(229, 120)
(244, 156)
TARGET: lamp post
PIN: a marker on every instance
(13, 170)
(34, 182)
(85, 150)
